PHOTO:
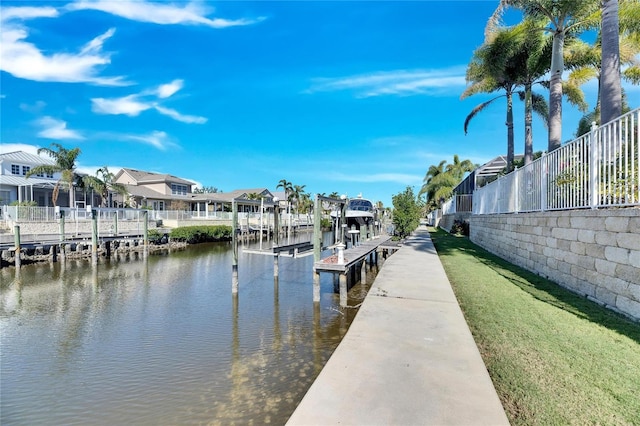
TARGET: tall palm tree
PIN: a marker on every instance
(489, 72)
(104, 183)
(287, 187)
(297, 194)
(611, 88)
(65, 164)
(458, 168)
(563, 17)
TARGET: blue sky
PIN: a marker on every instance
(352, 97)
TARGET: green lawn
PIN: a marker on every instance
(554, 357)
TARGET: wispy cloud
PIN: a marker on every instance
(398, 83)
(56, 129)
(25, 60)
(180, 117)
(133, 105)
(193, 13)
(157, 139)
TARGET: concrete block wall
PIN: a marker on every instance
(595, 253)
(83, 227)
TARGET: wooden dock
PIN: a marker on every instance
(354, 257)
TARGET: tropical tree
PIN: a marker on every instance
(297, 195)
(563, 17)
(611, 88)
(104, 183)
(440, 180)
(287, 187)
(406, 212)
(487, 73)
(206, 190)
(65, 164)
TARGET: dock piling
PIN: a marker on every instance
(16, 238)
(234, 266)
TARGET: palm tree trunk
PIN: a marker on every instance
(528, 118)
(510, 137)
(555, 91)
(611, 101)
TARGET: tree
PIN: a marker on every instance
(611, 89)
(104, 183)
(297, 194)
(287, 187)
(65, 164)
(487, 73)
(440, 180)
(206, 190)
(406, 212)
(563, 17)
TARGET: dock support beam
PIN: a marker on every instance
(343, 289)
(317, 233)
(16, 239)
(94, 237)
(61, 225)
(316, 285)
(145, 216)
(234, 266)
(276, 267)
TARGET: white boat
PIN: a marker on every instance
(359, 212)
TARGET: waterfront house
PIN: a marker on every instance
(16, 187)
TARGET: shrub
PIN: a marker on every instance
(201, 234)
(460, 227)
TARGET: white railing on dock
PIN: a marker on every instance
(599, 169)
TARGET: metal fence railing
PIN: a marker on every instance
(599, 169)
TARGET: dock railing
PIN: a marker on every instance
(598, 169)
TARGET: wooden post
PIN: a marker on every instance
(316, 285)
(343, 289)
(363, 271)
(94, 237)
(234, 266)
(62, 225)
(343, 220)
(16, 238)
(115, 224)
(276, 268)
(276, 224)
(145, 227)
(317, 231)
(54, 253)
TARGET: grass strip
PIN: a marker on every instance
(554, 357)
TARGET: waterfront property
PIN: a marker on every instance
(572, 216)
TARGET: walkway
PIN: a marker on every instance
(408, 357)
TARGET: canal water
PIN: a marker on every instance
(163, 341)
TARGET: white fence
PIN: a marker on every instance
(599, 169)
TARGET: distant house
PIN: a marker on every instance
(156, 191)
(16, 187)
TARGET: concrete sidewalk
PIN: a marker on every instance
(408, 357)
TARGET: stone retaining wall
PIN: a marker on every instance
(595, 253)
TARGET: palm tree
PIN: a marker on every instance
(610, 86)
(104, 183)
(563, 17)
(458, 168)
(286, 186)
(65, 164)
(441, 179)
(489, 72)
(297, 194)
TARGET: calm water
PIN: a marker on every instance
(163, 341)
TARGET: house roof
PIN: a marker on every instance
(149, 177)
(227, 197)
(11, 180)
(25, 158)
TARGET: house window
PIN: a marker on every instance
(15, 169)
(25, 169)
(177, 189)
(50, 175)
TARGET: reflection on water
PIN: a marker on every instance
(163, 341)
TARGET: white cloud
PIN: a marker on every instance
(157, 139)
(37, 107)
(25, 60)
(167, 90)
(13, 147)
(181, 117)
(160, 13)
(133, 105)
(127, 105)
(56, 129)
(400, 82)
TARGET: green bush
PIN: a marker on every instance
(201, 234)
(325, 223)
(460, 227)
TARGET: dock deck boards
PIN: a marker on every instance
(352, 255)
